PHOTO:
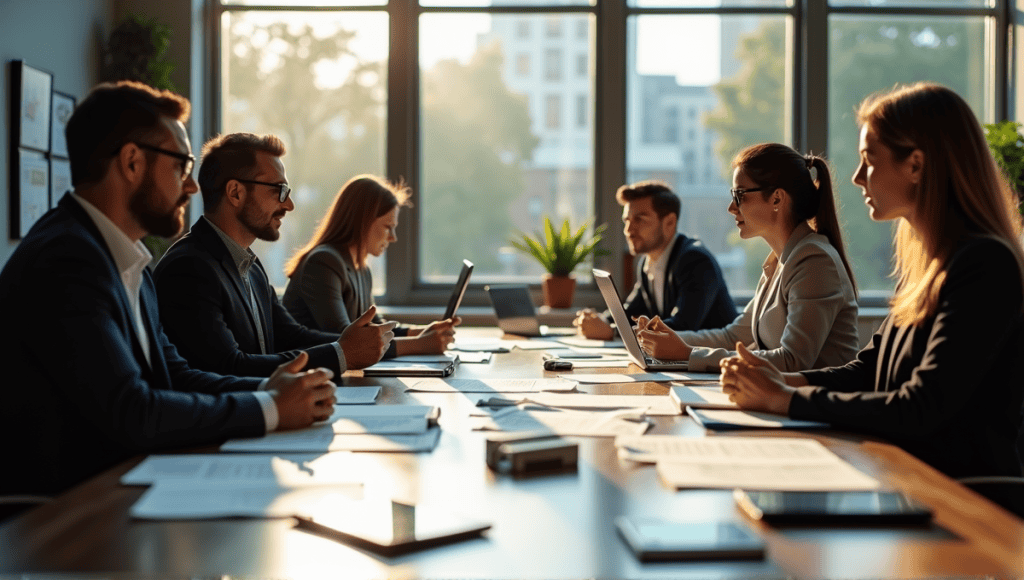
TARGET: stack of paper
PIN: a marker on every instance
(354, 428)
(565, 423)
(701, 398)
(491, 385)
(650, 404)
(768, 463)
(215, 486)
(611, 378)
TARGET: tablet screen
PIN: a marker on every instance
(459, 290)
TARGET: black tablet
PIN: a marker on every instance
(391, 528)
(654, 539)
(813, 508)
(459, 291)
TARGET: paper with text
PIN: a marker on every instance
(564, 422)
(291, 470)
(183, 501)
(490, 385)
(319, 441)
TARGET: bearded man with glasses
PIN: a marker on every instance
(215, 297)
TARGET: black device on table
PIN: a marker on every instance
(459, 291)
(654, 539)
(857, 508)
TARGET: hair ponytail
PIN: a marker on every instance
(778, 165)
(825, 219)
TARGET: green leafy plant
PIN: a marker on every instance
(1007, 146)
(560, 251)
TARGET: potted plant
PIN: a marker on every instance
(1007, 146)
(559, 252)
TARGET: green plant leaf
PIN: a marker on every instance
(561, 251)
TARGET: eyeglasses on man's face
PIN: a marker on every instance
(737, 194)
(283, 191)
(188, 160)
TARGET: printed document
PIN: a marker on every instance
(321, 441)
(651, 404)
(187, 501)
(291, 470)
(776, 463)
(565, 423)
(490, 385)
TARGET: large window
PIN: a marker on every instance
(492, 111)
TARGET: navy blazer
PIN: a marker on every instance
(79, 395)
(206, 312)
(948, 390)
(695, 295)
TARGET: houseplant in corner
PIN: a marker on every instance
(559, 252)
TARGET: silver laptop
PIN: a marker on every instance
(611, 298)
(517, 314)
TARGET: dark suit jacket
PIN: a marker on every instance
(949, 390)
(79, 395)
(695, 293)
(205, 310)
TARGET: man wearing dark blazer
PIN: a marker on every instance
(216, 302)
(91, 378)
(678, 279)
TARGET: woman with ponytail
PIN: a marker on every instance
(804, 312)
(942, 378)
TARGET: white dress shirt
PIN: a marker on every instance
(656, 273)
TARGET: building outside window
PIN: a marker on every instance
(319, 78)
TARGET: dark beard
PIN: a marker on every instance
(155, 221)
(250, 218)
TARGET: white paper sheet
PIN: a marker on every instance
(611, 378)
(531, 344)
(322, 441)
(600, 364)
(356, 395)
(780, 463)
(831, 476)
(565, 423)
(291, 470)
(490, 385)
(177, 501)
(590, 343)
(701, 398)
(653, 404)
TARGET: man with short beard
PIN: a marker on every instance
(679, 279)
(216, 301)
(90, 378)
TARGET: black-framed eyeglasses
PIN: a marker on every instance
(283, 190)
(737, 194)
(188, 161)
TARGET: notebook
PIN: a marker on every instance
(611, 298)
(516, 313)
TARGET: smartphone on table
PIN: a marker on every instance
(872, 508)
(654, 539)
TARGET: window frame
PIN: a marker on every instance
(807, 122)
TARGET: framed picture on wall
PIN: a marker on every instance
(30, 198)
(32, 91)
(60, 112)
(60, 179)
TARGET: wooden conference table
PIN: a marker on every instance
(555, 526)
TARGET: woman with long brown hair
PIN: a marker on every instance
(330, 284)
(804, 311)
(942, 378)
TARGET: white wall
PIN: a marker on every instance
(63, 37)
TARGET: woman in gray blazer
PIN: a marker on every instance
(330, 284)
(804, 312)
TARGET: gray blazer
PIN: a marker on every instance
(803, 315)
(327, 291)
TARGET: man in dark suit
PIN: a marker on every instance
(678, 278)
(216, 302)
(91, 378)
